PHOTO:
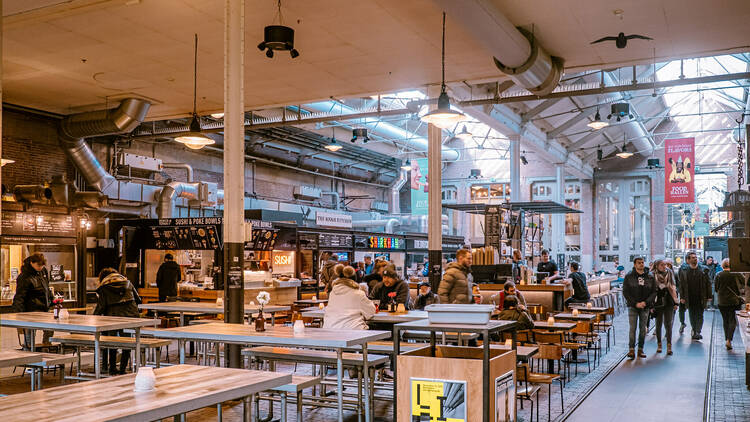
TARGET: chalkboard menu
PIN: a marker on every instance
(308, 241)
(38, 224)
(187, 233)
(492, 226)
(263, 240)
(327, 240)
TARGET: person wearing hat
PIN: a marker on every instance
(392, 288)
(426, 296)
(167, 277)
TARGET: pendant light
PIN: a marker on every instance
(443, 117)
(333, 146)
(624, 153)
(406, 166)
(5, 161)
(598, 123)
(195, 139)
(464, 134)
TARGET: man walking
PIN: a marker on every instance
(639, 290)
(455, 286)
(167, 277)
(695, 290)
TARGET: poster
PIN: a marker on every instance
(679, 157)
(505, 398)
(701, 225)
(438, 400)
(419, 187)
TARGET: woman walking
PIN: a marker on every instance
(729, 299)
(666, 303)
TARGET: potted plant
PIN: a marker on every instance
(57, 304)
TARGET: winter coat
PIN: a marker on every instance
(521, 317)
(116, 296)
(580, 288)
(639, 288)
(167, 278)
(501, 299)
(695, 287)
(666, 288)
(348, 307)
(727, 286)
(32, 290)
(424, 300)
(380, 292)
(327, 275)
(454, 287)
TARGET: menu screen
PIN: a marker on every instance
(326, 240)
(263, 240)
(36, 224)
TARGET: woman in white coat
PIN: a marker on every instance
(348, 306)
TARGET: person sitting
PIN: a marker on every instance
(426, 296)
(376, 276)
(116, 296)
(476, 294)
(509, 288)
(348, 306)
(580, 288)
(391, 283)
(511, 312)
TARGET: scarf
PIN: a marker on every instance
(665, 280)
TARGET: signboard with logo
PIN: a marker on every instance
(327, 219)
(380, 242)
(679, 172)
(419, 187)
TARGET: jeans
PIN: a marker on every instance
(695, 312)
(110, 357)
(730, 322)
(27, 338)
(665, 316)
(637, 318)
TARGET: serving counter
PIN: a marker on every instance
(551, 296)
(279, 295)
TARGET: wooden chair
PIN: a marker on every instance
(581, 337)
(549, 351)
(604, 324)
(524, 391)
(555, 351)
(523, 337)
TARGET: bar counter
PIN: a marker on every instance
(552, 296)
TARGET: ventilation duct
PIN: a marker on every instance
(35, 194)
(396, 192)
(75, 128)
(166, 205)
(514, 50)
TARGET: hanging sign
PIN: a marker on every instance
(679, 159)
(327, 219)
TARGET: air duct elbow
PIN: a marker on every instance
(540, 74)
(35, 194)
(335, 199)
(166, 204)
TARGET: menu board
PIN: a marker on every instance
(263, 240)
(38, 224)
(187, 233)
(308, 241)
(492, 227)
(327, 240)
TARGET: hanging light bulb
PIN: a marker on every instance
(7, 161)
(464, 134)
(624, 153)
(598, 123)
(333, 146)
(217, 115)
(406, 166)
(195, 139)
(443, 116)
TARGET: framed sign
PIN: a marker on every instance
(438, 400)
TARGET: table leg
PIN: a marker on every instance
(246, 410)
(182, 319)
(273, 318)
(97, 357)
(137, 348)
(340, 383)
(486, 377)
(218, 412)
(366, 375)
(396, 352)
(33, 379)
(283, 406)
(181, 348)
(32, 334)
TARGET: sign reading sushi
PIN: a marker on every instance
(679, 172)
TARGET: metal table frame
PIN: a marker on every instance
(485, 330)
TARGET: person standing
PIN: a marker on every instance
(167, 277)
(682, 307)
(117, 297)
(695, 291)
(666, 303)
(359, 275)
(547, 266)
(580, 289)
(368, 264)
(455, 286)
(639, 290)
(729, 299)
(327, 273)
(517, 263)
(33, 293)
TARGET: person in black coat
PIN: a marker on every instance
(32, 292)
(167, 277)
(426, 296)
(391, 283)
(639, 290)
(116, 296)
(695, 291)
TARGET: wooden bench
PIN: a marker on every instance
(295, 387)
(54, 360)
(318, 357)
(114, 342)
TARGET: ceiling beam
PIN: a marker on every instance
(554, 133)
(529, 115)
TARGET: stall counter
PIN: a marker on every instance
(551, 296)
(279, 295)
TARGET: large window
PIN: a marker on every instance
(493, 191)
(545, 191)
(623, 219)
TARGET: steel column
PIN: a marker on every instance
(515, 168)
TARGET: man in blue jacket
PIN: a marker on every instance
(639, 290)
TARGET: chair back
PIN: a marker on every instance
(522, 372)
(582, 327)
(549, 351)
(522, 336)
(547, 337)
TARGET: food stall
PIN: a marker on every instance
(56, 235)
(417, 253)
(391, 248)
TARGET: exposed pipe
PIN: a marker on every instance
(396, 192)
(75, 128)
(187, 167)
(124, 209)
(166, 205)
(32, 193)
(515, 51)
(335, 199)
(388, 224)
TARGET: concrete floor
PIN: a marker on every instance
(657, 388)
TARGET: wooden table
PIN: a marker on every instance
(206, 308)
(383, 317)
(18, 357)
(320, 338)
(301, 302)
(570, 317)
(486, 330)
(522, 352)
(558, 326)
(91, 324)
(742, 327)
(593, 309)
(179, 389)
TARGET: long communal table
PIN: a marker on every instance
(318, 338)
(382, 317)
(18, 357)
(742, 327)
(206, 308)
(90, 324)
(179, 389)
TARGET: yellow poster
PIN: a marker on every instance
(438, 400)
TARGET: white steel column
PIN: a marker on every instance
(515, 168)
(435, 203)
(558, 220)
(234, 169)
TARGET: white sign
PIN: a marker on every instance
(327, 219)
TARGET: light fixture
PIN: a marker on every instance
(464, 134)
(360, 134)
(598, 123)
(624, 153)
(278, 37)
(217, 115)
(599, 154)
(7, 161)
(406, 166)
(333, 146)
(443, 116)
(194, 138)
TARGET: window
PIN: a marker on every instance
(494, 191)
(450, 193)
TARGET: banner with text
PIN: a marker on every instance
(679, 157)
(419, 187)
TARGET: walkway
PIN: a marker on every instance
(658, 388)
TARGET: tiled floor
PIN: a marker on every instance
(730, 398)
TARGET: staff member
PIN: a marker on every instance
(548, 266)
(167, 277)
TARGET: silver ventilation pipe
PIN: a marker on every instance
(335, 198)
(514, 50)
(166, 205)
(75, 128)
(187, 167)
(388, 224)
(396, 192)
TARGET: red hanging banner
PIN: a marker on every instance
(679, 172)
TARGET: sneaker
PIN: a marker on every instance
(658, 347)
(729, 345)
(641, 354)
(631, 354)
(699, 336)
(669, 349)
(682, 328)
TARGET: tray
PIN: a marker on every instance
(459, 314)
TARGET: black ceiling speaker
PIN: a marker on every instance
(652, 163)
(620, 110)
(278, 37)
(475, 174)
(358, 134)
